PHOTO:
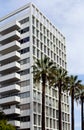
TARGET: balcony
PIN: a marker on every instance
(12, 46)
(9, 27)
(15, 35)
(10, 100)
(10, 88)
(25, 112)
(25, 125)
(8, 68)
(9, 78)
(15, 123)
(12, 111)
(10, 57)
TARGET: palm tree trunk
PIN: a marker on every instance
(82, 114)
(72, 110)
(43, 101)
(60, 117)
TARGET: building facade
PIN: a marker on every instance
(25, 35)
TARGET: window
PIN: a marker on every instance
(24, 30)
(41, 46)
(25, 106)
(39, 120)
(48, 42)
(24, 20)
(50, 123)
(53, 113)
(25, 50)
(54, 56)
(24, 72)
(51, 36)
(35, 119)
(44, 30)
(41, 36)
(51, 54)
(39, 108)
(25, 83)
(47, 33)
(44, 49)
(37, 23)
(34, 40)
(24, 61)
(25, 94)
(37, 33)
(33, 30)
(40, 26)
(24, 40)
(35, 106)
(25, 118)
(44, 39)
(57, 114)
(33, 50)
(38, 53)
(37, 43)
(33, 20)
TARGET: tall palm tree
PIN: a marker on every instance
(80, 98)
(43, 70)
(82, 109)
(61, 81)
(74, 87)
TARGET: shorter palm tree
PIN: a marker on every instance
(60, 81)
(73, 87)
(43, 70)
(80, 98)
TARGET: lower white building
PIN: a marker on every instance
(26, 34)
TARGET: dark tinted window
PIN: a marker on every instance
(24, 40)
(25, 50)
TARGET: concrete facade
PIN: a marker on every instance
(26, 34)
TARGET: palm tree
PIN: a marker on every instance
(43, 70)
(61, 81)
(74, 87)
(82, 107)
(80, 98)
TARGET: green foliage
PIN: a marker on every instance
(5, 126)
(43, 67)
(74, 85)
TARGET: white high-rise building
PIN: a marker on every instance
(26, 34)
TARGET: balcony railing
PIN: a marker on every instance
(10, 100)
(10, 77)
(12, 46)
(10, 88)
(9, 27)
(4, 59)
(15, 35)
(11, 67)
(12, 111)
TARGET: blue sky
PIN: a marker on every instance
(67, 16)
